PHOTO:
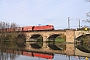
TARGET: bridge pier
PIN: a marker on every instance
(70, 36)
(70, 49)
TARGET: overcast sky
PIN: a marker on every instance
(44, 12)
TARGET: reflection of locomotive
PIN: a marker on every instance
(29, 28)
(38, 54)
(32, 54)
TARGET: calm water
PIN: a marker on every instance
(43, 51)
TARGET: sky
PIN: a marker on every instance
(45, 12)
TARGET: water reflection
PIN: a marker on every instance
(82, 49)
(36, 45)
(56, 46)
(83, 42)
(82, 46)
(42, 50)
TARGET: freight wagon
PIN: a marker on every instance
(27, 28)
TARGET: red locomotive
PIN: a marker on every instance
(38, 28)
(47, 27)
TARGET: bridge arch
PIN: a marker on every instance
(35, 37)
(83, 36)
(84, 40)
(54, 37)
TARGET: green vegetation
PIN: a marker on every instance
(40, 39)
(12, 40)
(61, 38)
(8, 37)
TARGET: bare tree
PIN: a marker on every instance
(88, 17)
(0, 25)
(88, 14)
(13, 25)
(7, 25)
(3, 25)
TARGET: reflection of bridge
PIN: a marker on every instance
(46, 50)
(47, 35)
(80, 53)
(68, 49)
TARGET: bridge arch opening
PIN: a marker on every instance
(84, 41)
(52, 37)
(83, 37)
(36, 37)
(57, 38)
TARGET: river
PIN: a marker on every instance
(43, 51)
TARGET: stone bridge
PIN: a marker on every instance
(44, 34)
(71, 35)
(50, 34)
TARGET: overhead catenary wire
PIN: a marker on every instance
(32, 6)
(4, 2)
(10, 3)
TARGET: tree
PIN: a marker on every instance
(13, 25)
(88, 18)
(4, 28)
